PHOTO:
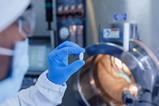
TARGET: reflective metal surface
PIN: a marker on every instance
(104, 79)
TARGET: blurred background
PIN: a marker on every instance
(87, 22)
(143, 12)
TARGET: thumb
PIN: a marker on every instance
(74, 67)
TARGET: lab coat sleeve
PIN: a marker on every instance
(44, 93)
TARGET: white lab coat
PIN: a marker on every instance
(44, 93)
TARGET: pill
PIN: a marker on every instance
(81, 56)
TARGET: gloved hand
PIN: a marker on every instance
(59, 71)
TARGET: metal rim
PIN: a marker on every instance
(148, 51)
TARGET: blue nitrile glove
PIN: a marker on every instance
(59, 71)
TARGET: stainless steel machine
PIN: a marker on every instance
(122, 70)
(112, 77)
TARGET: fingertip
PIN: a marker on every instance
(82, 50)
(81, 62)
(64, 44)
(67, 42)
(75, 66)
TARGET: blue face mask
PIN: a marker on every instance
(10, 86)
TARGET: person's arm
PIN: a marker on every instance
(43, 93)
(51, 85)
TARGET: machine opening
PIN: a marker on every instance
(107, 78)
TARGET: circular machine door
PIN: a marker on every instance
(112, 77)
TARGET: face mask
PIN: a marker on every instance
(10, 86)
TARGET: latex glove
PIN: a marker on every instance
(59, 71)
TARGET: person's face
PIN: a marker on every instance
(8, 38)
(18, 31)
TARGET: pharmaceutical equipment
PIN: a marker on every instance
(111, 75)
(71, 21)
(120, 70)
